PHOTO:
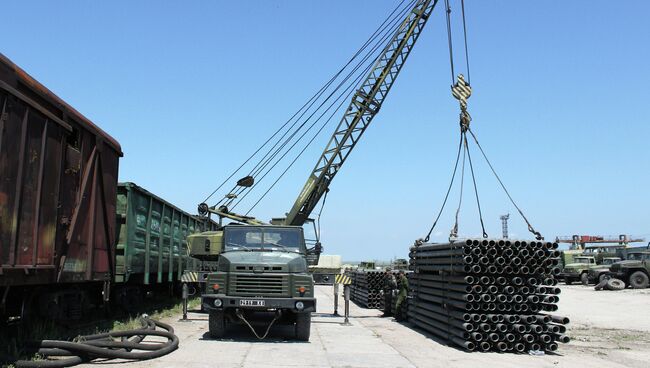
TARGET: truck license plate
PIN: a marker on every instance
(251, 303)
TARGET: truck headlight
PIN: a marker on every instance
(217, 303)
(300, 305)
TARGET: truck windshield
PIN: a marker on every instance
(582, 260)
(263, 238)
(635, 256)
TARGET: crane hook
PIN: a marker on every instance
(461, 91)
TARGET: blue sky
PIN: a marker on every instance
(190, 89)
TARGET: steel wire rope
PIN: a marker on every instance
(322, 205)
(389, 32)
(318, 132)
(299, 154)
(309, 103)
(463, 137)
(478, 202)
(462, 5)
(449, 40)
(453, 176)
(352, 86)
(381, 29)
(238, 191)
(454, 230)
(289, 150)
(350, 90)
(537, 234)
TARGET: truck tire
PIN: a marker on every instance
(585, 279)
(567, 281)
(303, 326)
(615, 284)
(217, 324)
(639, 280)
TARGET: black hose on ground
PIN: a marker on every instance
(112, 345)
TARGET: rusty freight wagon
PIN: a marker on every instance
(151, 250)
(58, 183)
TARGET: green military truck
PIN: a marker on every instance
(577, 270)
(598, 273)
(261, 270)
(635, 271)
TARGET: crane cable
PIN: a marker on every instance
(451, 183)
(347, 92)
(322, 206)
(454, 230)
(306, 106)
(537, 234)
(461, 90)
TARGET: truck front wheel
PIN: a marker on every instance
(639, 280)
(217, 323)
(303, 326)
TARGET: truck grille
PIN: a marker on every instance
(260, 285)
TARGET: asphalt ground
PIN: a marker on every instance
(608, 328)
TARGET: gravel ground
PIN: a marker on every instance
(607, 328)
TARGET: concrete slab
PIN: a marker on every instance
(374, 342)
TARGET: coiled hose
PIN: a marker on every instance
(112, 345)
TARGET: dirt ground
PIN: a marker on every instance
(608, 328)
(613, 326)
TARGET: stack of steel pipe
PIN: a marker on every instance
(366, 288)
(488, 295)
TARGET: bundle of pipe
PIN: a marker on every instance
(488, 295)
(366, 288)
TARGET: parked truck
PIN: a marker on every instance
(634, 271)
(598, 273)
(577, 270)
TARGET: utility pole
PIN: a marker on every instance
(504, 225)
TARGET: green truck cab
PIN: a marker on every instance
(635, 271)
(260, 270)
(599, 272)
(574, 271)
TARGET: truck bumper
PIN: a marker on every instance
(570, 276)
(208, 300)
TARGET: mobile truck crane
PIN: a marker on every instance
(264, 266)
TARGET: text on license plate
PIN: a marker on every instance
(251, 303)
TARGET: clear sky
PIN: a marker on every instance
(191, 88)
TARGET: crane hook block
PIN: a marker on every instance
(462, 91)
